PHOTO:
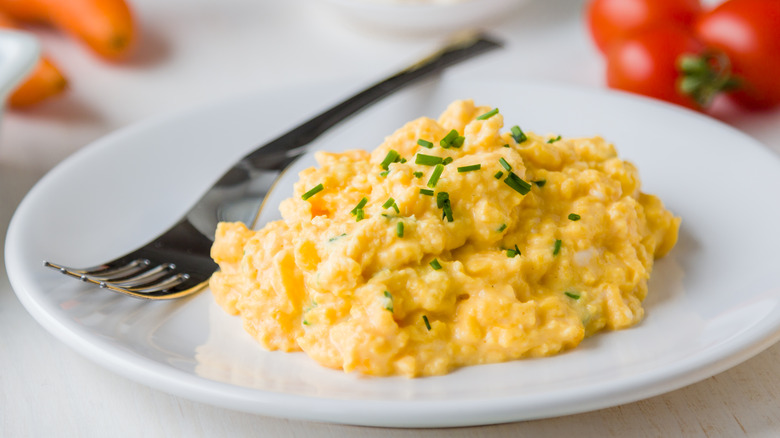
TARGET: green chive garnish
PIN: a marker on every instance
(333, 239)
(318, 188)
(435, 175)
(384, 173)
(572, 295)
(417, 174)
(518, 134)
(498, 175)
(425, 143)
(517, 183)
(447, 161)
(540, 182)
(399, 229)
(402, 160)
(388, 302)
(458, 142)
(305, 322)
(427, 324)
(504, 164)
(427, 160)
(443, 202)
(426, 192)
(469, 168)
(391, 203)
(553, 140)
(574, 217)
(501, 228)
(511, 253)
(359, 206)
(446, 142)
(435, 264)
(488, 114)
(391, 156)
(506, 145)
(557, 247)
(360, 215)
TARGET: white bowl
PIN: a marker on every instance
(18, 55)
(421, 17)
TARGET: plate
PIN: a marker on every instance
(420, 17)
(713, 302)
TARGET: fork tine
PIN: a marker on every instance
(145, 277)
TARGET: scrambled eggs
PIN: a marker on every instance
(451, 244)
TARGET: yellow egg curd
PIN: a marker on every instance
(451, 244)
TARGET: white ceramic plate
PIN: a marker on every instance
(713, 302)
(419, 16)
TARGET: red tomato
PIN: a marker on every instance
(646, 63)
(612, 20)
(748, 32)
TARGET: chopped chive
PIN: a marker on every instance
(435, 175)
(388, 302)
(498, 175)
(426, 192)
(540, 182)
(488, 114)
(574, 217)
(518, 134)
(517, 183)
(306, 322)
(384, 173)
(511, 253)
(557, 247)
(318, 188)
(333, 239)
(389, 203)
(447, 161)
(469, 168)
(391, 156)
(360, 215)
(442, 198)
(572, 295)
(458, 142)
(359, 206)
(435, 264)
(446, 142)
(553, 140)
(504, 164)
(506, 145)
(427, 160)
(501, 228)
(417, 174)
(399, 229)
(402, 160)
(425, 143)
(427, 324)
(443, 202)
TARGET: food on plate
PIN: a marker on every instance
(454, 243)
(732, 49)
(45, 81)
(106, 26)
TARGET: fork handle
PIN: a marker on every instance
(279, 153)
(232, 197)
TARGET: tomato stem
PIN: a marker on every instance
(703, 76)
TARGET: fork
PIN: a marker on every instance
(177, 263)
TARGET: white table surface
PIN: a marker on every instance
(197, 51)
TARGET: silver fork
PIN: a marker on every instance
(177, 263)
